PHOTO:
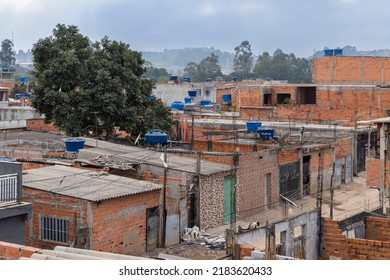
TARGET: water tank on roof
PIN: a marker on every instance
(177, 105)
(205, 102)
(23, 79)
(156, 136)
(252, 126)
(7, 159)
(227, 97)
(192, 93)
(74, 144)
(187, 100)
(151, 97)
(338, 52)
(173, 78)
(266, 133)
(18, 95)
(186, 79)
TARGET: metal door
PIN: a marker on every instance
(152, 218)
(289, 180)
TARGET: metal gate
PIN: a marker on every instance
(362, 145)
(152, 219)
(289, 180)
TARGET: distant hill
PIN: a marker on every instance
(176, 59)
(352, 51)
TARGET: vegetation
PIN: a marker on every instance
(156, 74)
(243, 60)
(80, 83)
(283, 66)
(7, 54)
(208, 68)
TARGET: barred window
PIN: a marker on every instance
(54, 229)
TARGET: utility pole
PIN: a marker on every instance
(331, 181)
(96, 130)
(164, 224)
(192, 130)
(383, 157)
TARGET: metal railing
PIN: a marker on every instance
(8, 188)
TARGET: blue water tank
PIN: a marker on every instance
(156, 136)
(192, 93)
(338, 51)
(177, 105)
(74, 144)
(227, 97)
(186, 79)
(18, 95)
(205, 102)
(328, 52)
(23, 79)
(7, 159)
(252, 126)
(266, 133)
(173, 78)
(209, 80)
(151, 97)
(187, 100)
(30, 95)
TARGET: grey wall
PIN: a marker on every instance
(311, 221)
(12, 229)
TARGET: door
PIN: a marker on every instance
(289, 180)
(229, 199)
(306, 175)
(152, 217)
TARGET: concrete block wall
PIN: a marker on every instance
(119, 225)
(212, 200)
(251, 189)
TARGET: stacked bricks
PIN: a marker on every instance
(336, 245)
(333, 243)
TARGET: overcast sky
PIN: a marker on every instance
(295, 26)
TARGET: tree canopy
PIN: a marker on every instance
(7, 54)
(282, 66)
(207, 68)
(78, 80)
(243, 60)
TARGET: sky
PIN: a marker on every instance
(295, 26)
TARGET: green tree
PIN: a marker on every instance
(78, 80)
(7, 54)
(243, 59)
(263, 66)
(191, 70)
(209, 68)
(156, 74)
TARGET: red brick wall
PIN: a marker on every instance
(251, 182)
(119, 225)
(54, 205)
(12, 251)
(377, 228)
(373, 172)
(352, 69)
(288, 155)
(40, 125)
(335, 244)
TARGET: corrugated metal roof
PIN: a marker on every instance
(88, 185)
(147, 156)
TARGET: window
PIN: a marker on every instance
(284, 98)
(54, 229)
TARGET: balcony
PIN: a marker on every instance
(9, 189)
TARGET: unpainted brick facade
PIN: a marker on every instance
(115, 225)
(374, 246)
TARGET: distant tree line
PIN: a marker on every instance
(279, 66)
